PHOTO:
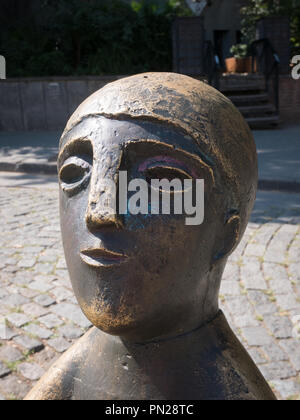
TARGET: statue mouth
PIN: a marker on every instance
(102, 257)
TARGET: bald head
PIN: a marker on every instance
(193, 108)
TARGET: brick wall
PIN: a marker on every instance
(289, 99)
(44, 103)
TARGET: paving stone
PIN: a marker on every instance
(277, 278)
(294, 251)
(245, 320)
(27, 263)
(44, 268)
(3, 293)
(51, 321)
(277, 249)
(281, 327)
(28, 343)
(255, 249)
(274, 353)
(258, 297)
(267, 309)
(265, 233)
(45, 278)
(41, 286)
(48, 258)
(238, 305)
(31, 371)
(14, 388)
(61, 293)
(251, 275)
(13, 289)
(34, 250)
(4, 371)
(262, 302)
(63, 274)
(9, 269)
(73, 300)
(59, 344)
(46, 358)
(287, 302)
(287, 388)
(292, 347)
(61, 264)
(39, 332)
(294, 271)
(22, 277)
(34, 310)
(257, 356)
(7, 333)
(15, 300)
(230, 288)
(10, 354)
(277, 370)
(256, 336)
(70, 332)
(18, 320)
(29, 293)
(44, 300)
(72, 313)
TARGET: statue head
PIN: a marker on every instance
(150, 274)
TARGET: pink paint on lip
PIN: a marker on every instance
(164, 159)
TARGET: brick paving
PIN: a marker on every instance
(40, 318)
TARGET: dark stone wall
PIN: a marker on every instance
(277, 30)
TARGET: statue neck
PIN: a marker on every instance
(178, 367)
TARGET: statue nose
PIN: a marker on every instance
(102, 204)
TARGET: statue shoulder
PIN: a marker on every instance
(242, 380)
(58, 382)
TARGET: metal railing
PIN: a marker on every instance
(212, 65)
(266, 61)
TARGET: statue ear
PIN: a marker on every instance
(228, 238)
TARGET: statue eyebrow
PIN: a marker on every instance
(81, 145)
(173, 149)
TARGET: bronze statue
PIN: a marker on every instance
(150, 282)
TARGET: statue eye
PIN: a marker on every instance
(74, 175)
(160, 172)
(157, 174)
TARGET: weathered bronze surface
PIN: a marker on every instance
(150, 283)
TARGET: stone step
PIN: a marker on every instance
(263, 122)
(258, 110)
(240, 100)
(242, 83)
(245, 89)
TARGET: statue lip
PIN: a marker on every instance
(100, 257)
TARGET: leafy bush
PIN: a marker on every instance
(239, 50)
(258, 9)
(91, 37)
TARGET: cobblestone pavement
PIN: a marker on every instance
(40, 319)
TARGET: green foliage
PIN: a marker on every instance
(239, 50)
(91, 37)
(258, 9)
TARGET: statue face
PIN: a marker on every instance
(138, 276)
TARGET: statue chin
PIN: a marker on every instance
(119, 321)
